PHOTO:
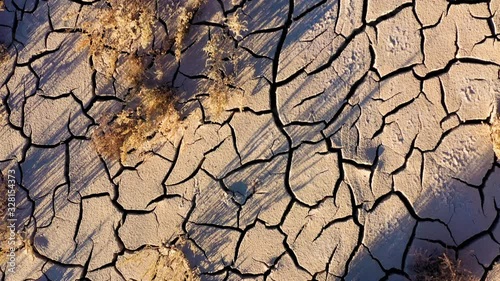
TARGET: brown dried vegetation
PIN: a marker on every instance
(184, 17)
(130, 129)
(133, 67)
(431, 267)
(236, 25)
(221, 70)
(123, 34)
(123, 27)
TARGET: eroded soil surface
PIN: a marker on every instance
(360, 136)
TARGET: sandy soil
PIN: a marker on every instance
(357, 134)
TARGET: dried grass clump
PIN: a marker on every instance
(116, 135)
(430, 267)
(154, 112)
(236, 25)
(495, 136)
(134, 68)
(158, 106)
(184, 17)
(221, 67)
(121, 27)
(183, 23)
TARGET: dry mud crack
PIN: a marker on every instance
(357, 135)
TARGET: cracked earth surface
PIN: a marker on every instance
(361, 136)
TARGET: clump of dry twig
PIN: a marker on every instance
(222, 64)
(158, 109)
(495, 135)
(127, 131)
(221, 68)
(133, 67)
(236, 25)
(121, 27)
(184, 17)
(431, 267)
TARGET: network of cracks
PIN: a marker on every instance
(359, 137)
